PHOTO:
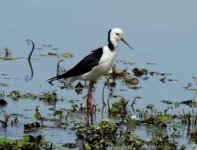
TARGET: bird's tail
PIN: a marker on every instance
(50, 80)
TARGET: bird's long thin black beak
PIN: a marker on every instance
(127, 44)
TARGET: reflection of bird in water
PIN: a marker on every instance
(95, 64)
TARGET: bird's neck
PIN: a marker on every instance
(112, 44)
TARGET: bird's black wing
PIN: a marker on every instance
(84, 66)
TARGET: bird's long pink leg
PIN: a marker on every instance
(89, 98)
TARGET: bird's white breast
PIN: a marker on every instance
(105, 64)
(107, 59)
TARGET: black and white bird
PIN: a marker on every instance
(97, 63)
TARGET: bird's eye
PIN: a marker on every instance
(117, 34)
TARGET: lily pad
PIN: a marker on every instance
(67, 54)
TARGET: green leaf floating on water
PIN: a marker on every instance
(64, 54)
(67, 54)
(71, 101)
(10, 58)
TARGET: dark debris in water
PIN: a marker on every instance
(3, 102)
(30, 127)
(191, 103)
(70, 145)
(79, 88)
(138, 72)
(3, 84)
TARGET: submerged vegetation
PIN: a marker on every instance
(122, 124)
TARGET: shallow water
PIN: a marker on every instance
(164, 33)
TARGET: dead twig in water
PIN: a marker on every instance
(135, 98)
(59, 69)
(32, 49)
(29, 59)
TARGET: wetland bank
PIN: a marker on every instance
(147, 102)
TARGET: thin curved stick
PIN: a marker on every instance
(32, 71)
(32, 49)
(29, 59)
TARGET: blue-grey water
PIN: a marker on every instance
(161, 32)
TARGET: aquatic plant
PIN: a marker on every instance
(16, 95)
(27, 142)
(49, 97)
(67, 55)
(4, 122)
(118, 108)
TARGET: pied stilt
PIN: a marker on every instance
(95, 64)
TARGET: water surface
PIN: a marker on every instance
(164, 33)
